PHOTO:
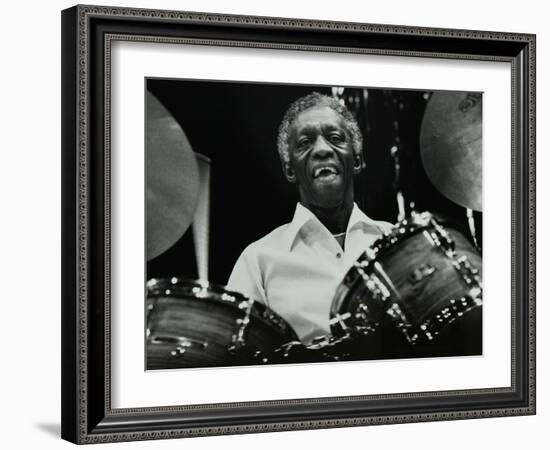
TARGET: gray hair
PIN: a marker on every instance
(309, 101)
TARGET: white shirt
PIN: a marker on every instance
(297, 267)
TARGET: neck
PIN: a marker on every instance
(334, 219)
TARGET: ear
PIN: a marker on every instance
(358, 162)
(289, 172)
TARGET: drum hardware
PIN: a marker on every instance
(381, 293)
(322, 349)
(401, 230)
(470, 274)
(365, 324)
(238, 338)
(400, 199)
(340, 319)
(373, 282)
(374, 306)
(399, 108)
(451, 312)
(443, 241)
(472, 226)
(439, 238)
(402, 323)
(368, 326)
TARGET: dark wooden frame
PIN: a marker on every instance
(87, 32)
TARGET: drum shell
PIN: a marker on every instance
(185, 330)
(422, 279)
(424, 297)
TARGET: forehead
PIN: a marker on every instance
(317, 116)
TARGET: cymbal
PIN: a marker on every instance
(172, 179)
(450, 146)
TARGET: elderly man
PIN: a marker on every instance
(297, 267)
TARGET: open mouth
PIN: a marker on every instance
(328, 171)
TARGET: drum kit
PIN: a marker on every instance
(416, 292)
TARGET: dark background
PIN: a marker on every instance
(236, 124)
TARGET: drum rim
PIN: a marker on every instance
(163, 282)
(223, 296)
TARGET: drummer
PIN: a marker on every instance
(297, 267)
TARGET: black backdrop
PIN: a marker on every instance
(236, 124)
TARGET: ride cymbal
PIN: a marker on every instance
(451, 146)
(172, 179)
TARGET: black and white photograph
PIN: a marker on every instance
(275, 222)
(290, 223)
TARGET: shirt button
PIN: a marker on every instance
(338, 255)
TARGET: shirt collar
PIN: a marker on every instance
(358, 218)
(302, 216)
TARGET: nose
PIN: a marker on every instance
(321, 149)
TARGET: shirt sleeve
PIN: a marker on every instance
(246, 278)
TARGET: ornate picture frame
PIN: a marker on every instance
(88, 33)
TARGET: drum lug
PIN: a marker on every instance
(238, 338)
(453, 310)
(444, 238)
(363, 317)
(372, 282)
(469, 274)
(402, 323)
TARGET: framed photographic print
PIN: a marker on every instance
(255, 207)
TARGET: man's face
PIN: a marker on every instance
(321, 157)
